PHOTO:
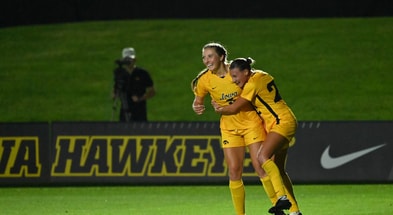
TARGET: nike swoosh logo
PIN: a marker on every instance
(329, 162)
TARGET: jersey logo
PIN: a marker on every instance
(329, 162)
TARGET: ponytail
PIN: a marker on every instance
(195, 80)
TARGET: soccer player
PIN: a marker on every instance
(259, 89)
(238, 131)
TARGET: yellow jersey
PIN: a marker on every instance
(262, 92)
(225, 92)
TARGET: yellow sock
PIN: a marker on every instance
(290, 193)
(271, 169)
(238, 196)
(269, 189)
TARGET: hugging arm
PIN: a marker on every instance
(233, 108)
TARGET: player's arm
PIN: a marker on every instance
(233, 108)
(198, 105)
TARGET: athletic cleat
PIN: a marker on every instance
(275, 211)
(282, 204)
(280, 213)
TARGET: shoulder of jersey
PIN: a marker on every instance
(260, 72)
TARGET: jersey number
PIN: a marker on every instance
(272, 86)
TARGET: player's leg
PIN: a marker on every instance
(263, 177)
(280, 160)
(234, 157)
(269, 189)
(272, 144)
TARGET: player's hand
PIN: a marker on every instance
(198, 109)
(216, 106)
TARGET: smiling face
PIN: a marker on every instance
(240, 77)
(211, 59)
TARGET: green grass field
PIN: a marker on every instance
(326, 69)
(190, 200)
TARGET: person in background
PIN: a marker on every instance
(259, 89)
(133, 86)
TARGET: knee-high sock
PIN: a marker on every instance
(238, 196)
(269, 189)
(271, 169)
(290, 193)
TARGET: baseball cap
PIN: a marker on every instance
(128, 52)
